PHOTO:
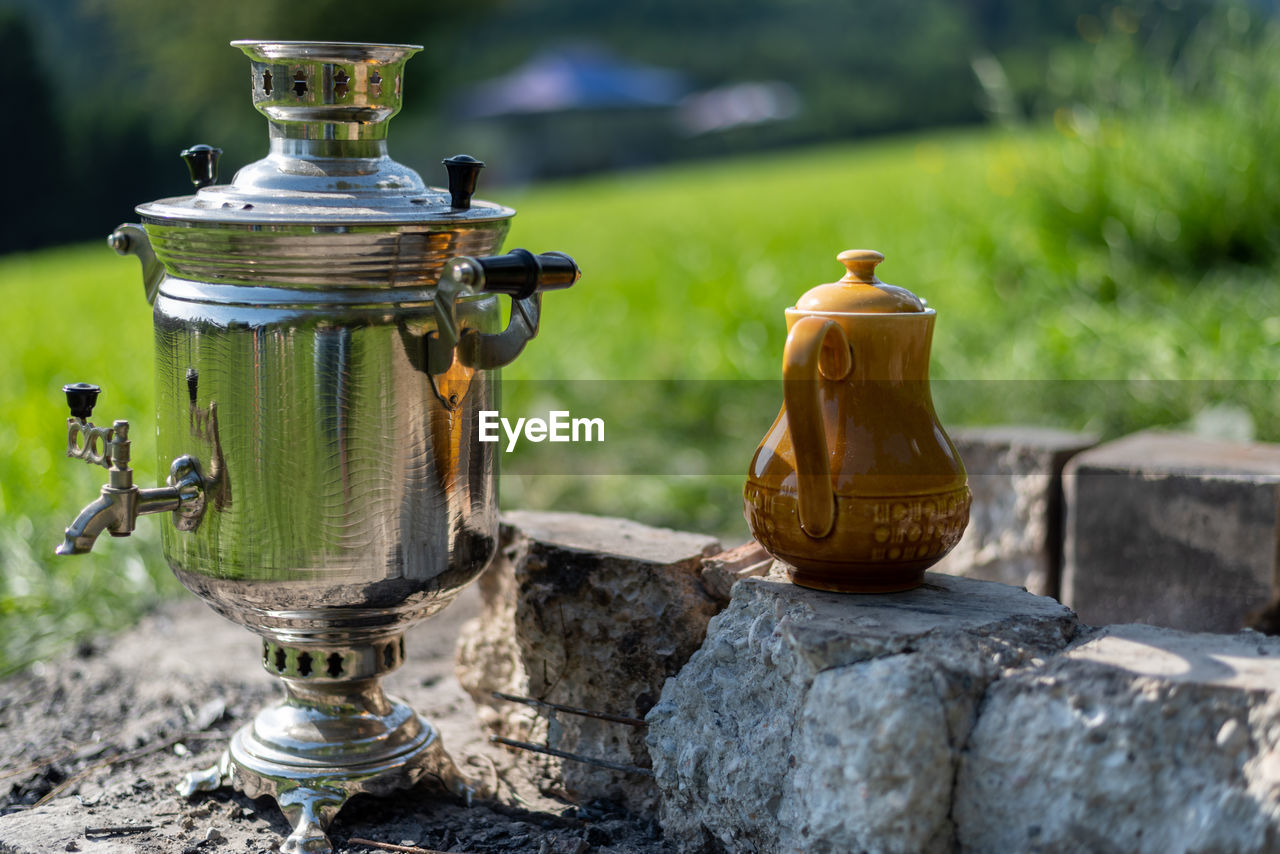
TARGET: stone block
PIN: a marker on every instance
(1140, 739)
(1015, 523)
(593, 613)
(1172, 530)
(820, 722)
(720, 572)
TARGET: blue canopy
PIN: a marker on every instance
(574, 79)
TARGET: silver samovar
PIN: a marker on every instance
(326, 334)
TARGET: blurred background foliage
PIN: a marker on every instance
(1087, 192)
(123, 85)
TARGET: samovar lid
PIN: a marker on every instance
(327, 105)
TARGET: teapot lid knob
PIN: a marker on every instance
(861, 264)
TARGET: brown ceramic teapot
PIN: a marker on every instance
(857, 486)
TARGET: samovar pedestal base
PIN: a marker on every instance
(321, 744)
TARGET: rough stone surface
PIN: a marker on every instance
(821, 722)
(593, 613)
(1015, 523)
(100, 721)
(1140, 739)
(720, 572)
(1172, 530)
(962, 716)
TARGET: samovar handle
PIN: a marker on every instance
(802, 369)
(521, 275)
(131, 239)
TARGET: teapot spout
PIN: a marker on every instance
(130, 239)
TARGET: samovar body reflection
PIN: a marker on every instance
(326, 335)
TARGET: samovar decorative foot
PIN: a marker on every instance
(334, 734)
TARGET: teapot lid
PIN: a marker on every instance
(860, 291)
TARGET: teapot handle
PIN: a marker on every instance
(803, 366)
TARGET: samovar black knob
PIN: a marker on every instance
(464, 171)
(81, 397)
(202, 162)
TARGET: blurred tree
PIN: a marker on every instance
(134, 81)
(35, 155)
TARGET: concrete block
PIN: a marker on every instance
(1172, 530)
(1015, 523)
(1140, 739)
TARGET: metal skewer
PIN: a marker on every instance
(586, 713)
(575, 757)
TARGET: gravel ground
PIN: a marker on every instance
(99, 738)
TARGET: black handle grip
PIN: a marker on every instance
(520, 273)
(202, 162)
(81, 397)
(464, 172)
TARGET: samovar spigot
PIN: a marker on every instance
(118, 507)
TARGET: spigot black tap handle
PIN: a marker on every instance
(521, 274)
(81, 397)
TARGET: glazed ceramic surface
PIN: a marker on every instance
(856, 485)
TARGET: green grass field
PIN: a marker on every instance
(686, 273)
